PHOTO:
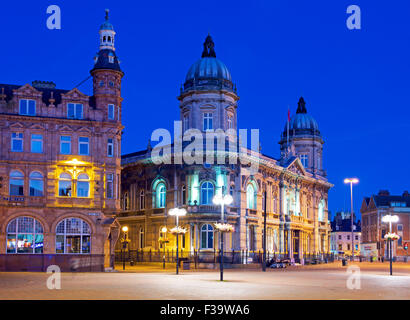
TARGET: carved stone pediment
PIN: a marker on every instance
(75, 95)
(27, 90)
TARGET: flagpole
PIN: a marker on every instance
(288, 128)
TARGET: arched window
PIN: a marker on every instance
(36, 184)
(142, 200)
(73, 235)
(25, 235)
(64, 185)
(321, 210)
(141, 238)
(160, 195)
(250, 197)
(83, 186)
(207, 237)
(207, 192)
(16, 183)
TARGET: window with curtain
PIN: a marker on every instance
(16, 183)
(83, 186)
(73, 235)
(207, 237)
(207, 193)
(25, 235)
(64, 185)
(36, 184)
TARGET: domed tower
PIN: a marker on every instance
(208, 99)
(107, 74)
(305, 140)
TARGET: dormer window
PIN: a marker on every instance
(27, 107)
(304, 159)
(111, 59)
(74, 111)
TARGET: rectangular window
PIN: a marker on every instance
(118, 187)
(27, 107)
(83, 146)
(110, 148)
(110, 186)
(340, 237)
(230, 122)
(208, 117)
(111, 112)
(186, 122)
(17, 142)
(65, 145)
(74, 110)
(37, 143)
(304, 159)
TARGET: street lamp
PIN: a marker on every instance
(222, 200)
(163, 240)
(390, 236)
(177, 212)
(124, 241)
(351, 181)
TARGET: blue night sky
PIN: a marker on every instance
(355, 83)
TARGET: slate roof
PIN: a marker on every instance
(384, 201)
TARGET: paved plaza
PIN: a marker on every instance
(150, 282)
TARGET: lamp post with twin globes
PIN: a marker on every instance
(222, 200)
(177, 212)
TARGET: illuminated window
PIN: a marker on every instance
(16, 185)
(27, 107)
(17, 142)
(110, 186)
(65, 144)
(25, 235)
(111, 112)
(250, 197)
(208, 119)
(73, 235)
(110, 148)
(83, 146)
(83, 186)
(207, 192)
(321, 211)
(207, 236)
(37, 143)
(74, 110)
(161, 192)
(64, 185)
(36, 184)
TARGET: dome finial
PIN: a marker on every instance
(301, 106)
(107, 11)
(208, 47)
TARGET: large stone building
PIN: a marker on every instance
(60, 169)
(374, 229)
(296, 186)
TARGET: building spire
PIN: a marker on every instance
(301, 106)
(209, 48)
(107, 11)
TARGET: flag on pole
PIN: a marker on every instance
(287, 136)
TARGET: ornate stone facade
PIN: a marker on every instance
(297, 195)
(60, 159)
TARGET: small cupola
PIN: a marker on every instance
(107, 34)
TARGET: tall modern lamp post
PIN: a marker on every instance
(177, 212)
(390, 236)
(351, 181)
(222, 200)
(124, 241)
